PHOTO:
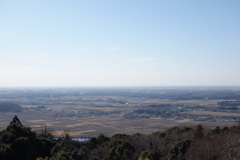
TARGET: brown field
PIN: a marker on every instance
(208, 113)
(93, 126)
(90, 126)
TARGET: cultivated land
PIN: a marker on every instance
(87, 112)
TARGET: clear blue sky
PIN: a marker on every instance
(119, 43)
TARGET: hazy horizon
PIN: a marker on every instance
(119, 87)
(119, 43)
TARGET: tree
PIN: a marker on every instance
(20, 143)
(16, 121)
(198, 133)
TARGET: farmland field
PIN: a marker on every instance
(90, 112)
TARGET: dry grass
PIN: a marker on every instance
(93, 126)
(208, 113)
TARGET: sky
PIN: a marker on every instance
(77, 43)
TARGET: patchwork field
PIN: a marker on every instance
(89, 113)
(93, 126)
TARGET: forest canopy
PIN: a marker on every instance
(10, 107)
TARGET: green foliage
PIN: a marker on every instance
(198, 133)
(119, 136)
(217, 130)
(119, 148)
(63, 155)
(178, 143)
(102, 139)
(40, 158)
(178, 150)
(150, 155)
(20, 143)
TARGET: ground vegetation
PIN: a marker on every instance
(178, 143)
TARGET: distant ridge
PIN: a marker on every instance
(10, 107)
